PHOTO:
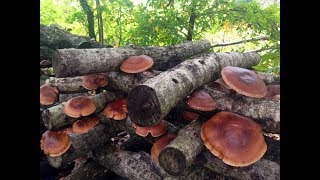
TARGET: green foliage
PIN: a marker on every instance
(166, 22)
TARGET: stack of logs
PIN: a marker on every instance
(177, 72)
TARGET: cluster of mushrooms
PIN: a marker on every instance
(235, 139)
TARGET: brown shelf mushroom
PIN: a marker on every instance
(155, 131)
(244, 81)
(79, 106)
(136, 64)
(235, 139)
(189, 116)
(202, 101)
(55, 143)
(48, 94)
(84, 125)
(160, 144)
(116, 109)
(93, 81)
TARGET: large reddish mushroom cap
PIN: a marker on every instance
(235, 139)
(84, 125)
(136, 64)
(155, 131)
(244, 81)
(55, 143)
(200, 100)
(79, 106)
(48, 94)
(222, 83)
(93, 81)
(116, 109)
(189, 116)
(161, 144)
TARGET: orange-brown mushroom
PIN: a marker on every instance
(200, 100)
(160, 144)
(222, 83)
(235, 139)
(244, 81)
(48, 94)
(189, 116)
(67, 130)
(79, 106)
(93, 81)
(136, 64)
(155, 131)
(84, 125)
(55, 143)
(116, 109)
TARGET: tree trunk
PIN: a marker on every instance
(90, 17)
(54, 117)
(81, 144)
(100, 22)
(149, 102)
(77, 62)
(192, 19)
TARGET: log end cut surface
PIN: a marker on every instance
(143, 106)
(173, 161)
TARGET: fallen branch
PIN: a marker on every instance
(241, 41)
(67, 85)
(149, 102)
(268, 78)
(77, 62)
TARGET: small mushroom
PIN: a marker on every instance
(136, 64)
(189, 116)
(79, 106)
(161, 144)
(244, 81)
(235, 139)
(155, 131)
(93, 81)
(202, 101)
(116, 109)
(55, 143)
(48, 94)
(84, 125)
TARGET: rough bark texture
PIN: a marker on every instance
(54, 117)
(268, 77)
(262, 169)
(264, 111)
(131, 165)
(273, 150)
(179, 154)
(82, 144)
(149, 102)
(46, 53)
(67, 85)
(67, 97)
(90, 17)
(77, 62)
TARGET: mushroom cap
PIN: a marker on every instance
(200, 100)
(48, 94)
(136, 64)
(276, 97)
(189, 116)
(67, 130)
(244, 81)
(84, 125)
(222, 83)
(116, 109)
(160, 144)
(235, 139)
(155, 131)
(93, 81)
(272, 90)
(79, 106)
(55, 143)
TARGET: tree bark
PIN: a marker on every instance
(262, 169)
(77, 62)
(264, 111)
(81, 144)
(180, 153)
(54, 117)
(268, 78)
(192, 20)
(149, 102)
(67, 97)
(45, 63)
(46, 53)
(67, 85)
(131, 165)
(100, 22)
(90, 17)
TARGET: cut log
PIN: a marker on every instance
(149, 102)
(268, 78)
(262, 169)
(131, 165)
(67, 97)
(54, 117)
(67, 85)
(264, 111)
(77, 62)
(180, 153)
(81, 144)
(46, 53)
(45, 64)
